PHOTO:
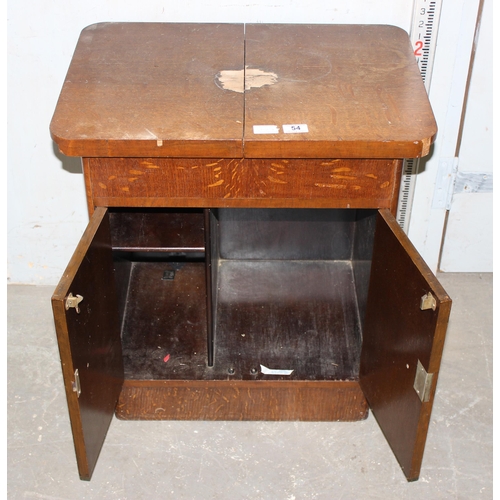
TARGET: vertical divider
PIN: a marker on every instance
(209, 291)
(213, 253)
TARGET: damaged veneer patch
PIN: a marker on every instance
(245, 79)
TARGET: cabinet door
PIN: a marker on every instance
(402, 342)
(88, 334)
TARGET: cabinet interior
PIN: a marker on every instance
(218, 294)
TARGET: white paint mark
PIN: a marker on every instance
(256, 78)
(270, 371)
(244, 79)
(231, 80)
(266, 129)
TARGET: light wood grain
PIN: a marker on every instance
(136, 89)
(356, 87)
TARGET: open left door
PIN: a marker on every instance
(88, 333)
(403, 337)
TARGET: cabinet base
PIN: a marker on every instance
(241, 400)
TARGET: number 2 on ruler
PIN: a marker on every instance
(419, 46)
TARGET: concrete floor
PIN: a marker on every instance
(251, 460)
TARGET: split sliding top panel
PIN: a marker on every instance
(234, 91)
(356, 88)
(148, 89)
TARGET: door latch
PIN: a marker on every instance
(428, 302)
(72, 301)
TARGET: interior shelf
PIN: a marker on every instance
(157, 230)
(300, 316)
(292, 315)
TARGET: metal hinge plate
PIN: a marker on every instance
(423, 382)
(445, 180)
(76, 384)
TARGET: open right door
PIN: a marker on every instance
(405, 327)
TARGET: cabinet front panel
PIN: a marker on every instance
(242, 400)
(202, 182)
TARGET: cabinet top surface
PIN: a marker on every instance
(230, 90)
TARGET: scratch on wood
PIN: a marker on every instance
(333, 115)
(103, 186)
(111, 177)
(125, 189)
(211, 164)
(371, 176)
(132, 179)
(341, 169)
(136, 172)
(346, 90)
(426, 146)
(326, 163)
(218, 183)
(384, 184)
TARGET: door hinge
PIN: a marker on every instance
(445, 181)
(76, 384)
(423, 382)
(473, 182)
(72, 301)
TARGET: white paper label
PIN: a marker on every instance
(296, 128)
(266, 129)
(270, 371)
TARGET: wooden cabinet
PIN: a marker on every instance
(242, 260)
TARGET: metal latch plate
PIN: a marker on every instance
(428, 302)
(76, 384)
(168, 275)
(423, 382)
(72, 301)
